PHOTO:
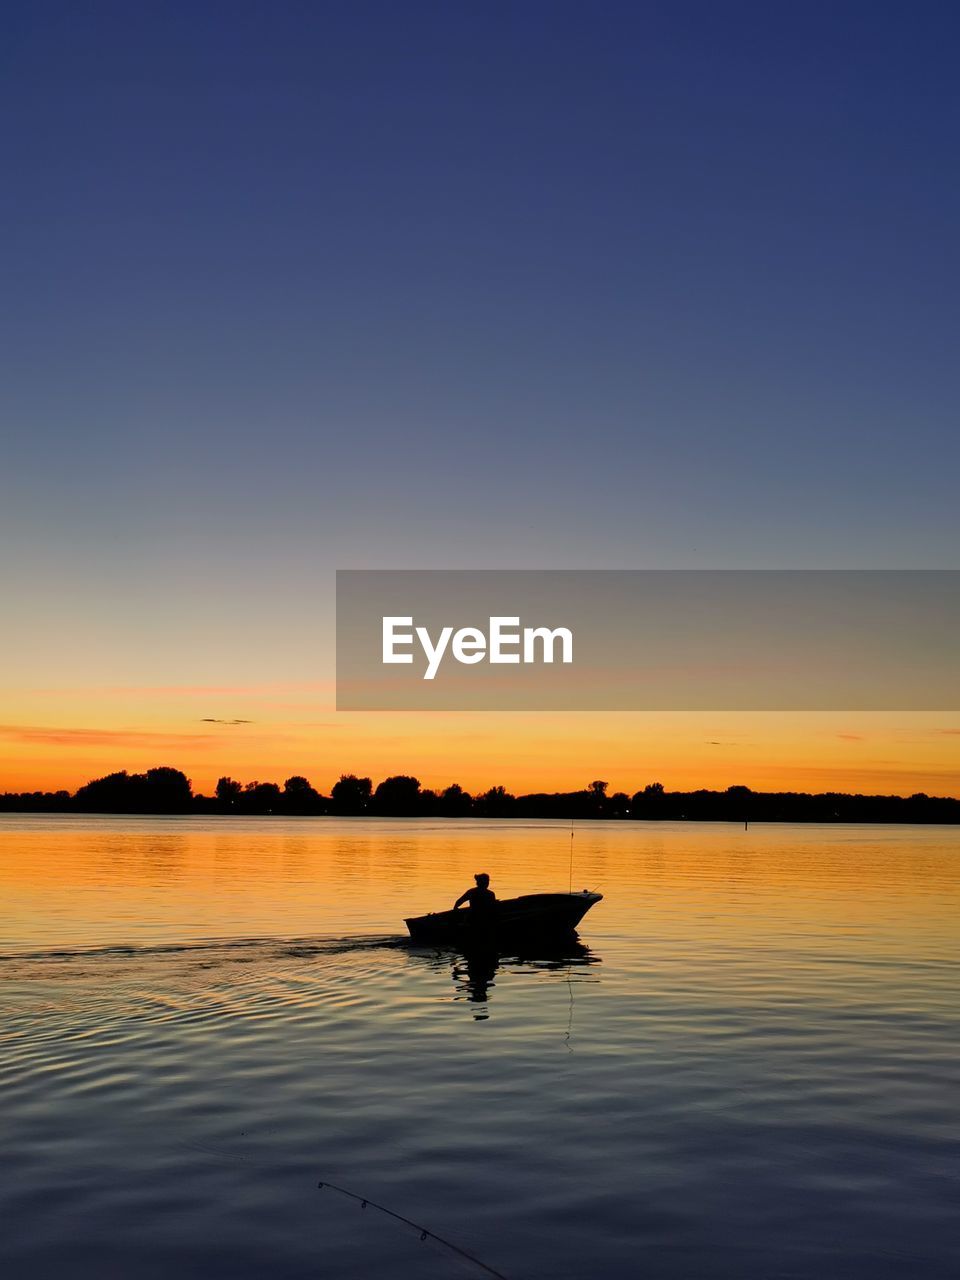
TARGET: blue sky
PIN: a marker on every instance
(296, 286)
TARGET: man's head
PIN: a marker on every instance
(482, 879)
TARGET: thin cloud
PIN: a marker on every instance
(850, 737)
(215, 720)
(267, 689)
(55, 736)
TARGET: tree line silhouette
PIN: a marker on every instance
(166, 790)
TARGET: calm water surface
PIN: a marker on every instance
(749, 1069)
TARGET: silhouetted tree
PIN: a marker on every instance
(649, 803)
(618, 805)
(738, 798)
(166, 790)
(455, 802)
(495, 803)
(110, 794)
(228, 792)
(351, 795)
(260, 797)
(397, 797)
(169, 790)
(300, 797)
(36, 801)
(160, 790)
(597, 791)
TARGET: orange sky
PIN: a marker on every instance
(58, 737)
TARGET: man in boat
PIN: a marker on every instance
(482, 900)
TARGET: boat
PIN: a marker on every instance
(534, 915)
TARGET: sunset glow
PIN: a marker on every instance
(62, 738)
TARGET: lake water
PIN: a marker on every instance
(750, 1069)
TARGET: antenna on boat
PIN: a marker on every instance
(570, 885)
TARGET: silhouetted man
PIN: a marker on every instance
(482, 900)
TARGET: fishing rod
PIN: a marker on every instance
(425, 1233)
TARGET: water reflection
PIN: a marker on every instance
(762, 1069)
(474, 973)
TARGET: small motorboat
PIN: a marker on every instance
(535, 915)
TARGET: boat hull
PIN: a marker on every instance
(535, 915)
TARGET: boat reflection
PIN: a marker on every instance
(475, 971)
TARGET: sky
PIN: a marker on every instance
(293, 287)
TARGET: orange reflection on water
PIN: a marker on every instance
(81, 881)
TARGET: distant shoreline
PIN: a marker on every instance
(384, 817)
(164, 791)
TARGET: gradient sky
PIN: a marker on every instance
(288, 287)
